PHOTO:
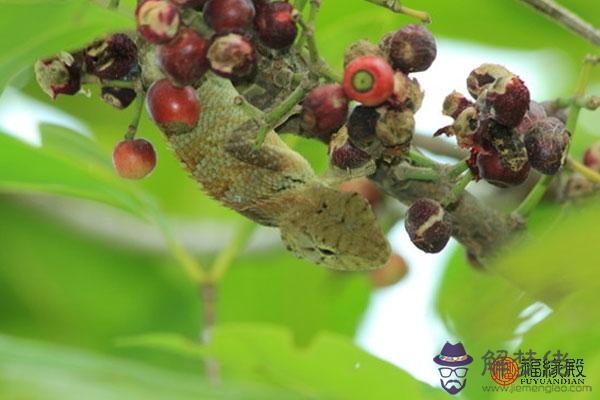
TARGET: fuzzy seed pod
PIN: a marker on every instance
(59, 75)
(484, 77)
(119, 98)
(454, 104)
(547, 145)
(407, 93)
(111, 58)
(410, 49)
(535, 113)
(428, 226)
(361, 48)
(395, 128)
(510, 148)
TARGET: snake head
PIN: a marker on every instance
(335, 229)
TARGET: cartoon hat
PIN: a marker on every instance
(453, 355)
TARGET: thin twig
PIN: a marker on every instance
(137, 113)
(458, 189)
(397, 7)
(566, 18)
(588, 173)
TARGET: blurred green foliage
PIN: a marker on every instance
(284, 326)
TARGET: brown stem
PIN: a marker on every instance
(566, 18)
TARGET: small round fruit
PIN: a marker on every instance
(427, 225)
(226, 16)
(119, 98)
(547, 145)
(535, 113)
(324, 111)
(275, 24)
(134, 158)
(410, 49)
(491, 168)
(157, 20)
(232, 56)
(509, 100)
(111, 58)
(391, 273)
(59, 75)
(369, 80)
(174, 109)
(184, 58)
(591, 157)
(365, 187)
(346, 156)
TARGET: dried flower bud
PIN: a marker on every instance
(395, 128)
(428, 226)
(509, 100)
(484, 77)
(407, 93)
(59, 75)
(361, 48)
(535, 113)
(345, 156)
(111, 58)
(232, 56)
(454, 104)
(362, 125)
(119, 98)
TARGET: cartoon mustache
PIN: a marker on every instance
(452, 382)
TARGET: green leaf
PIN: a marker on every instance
(330, 367)
(34, 371)
(33, 29)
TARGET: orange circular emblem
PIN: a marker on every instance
(504, 371)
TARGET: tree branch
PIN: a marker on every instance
(566, 18)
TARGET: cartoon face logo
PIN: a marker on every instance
(453, 373)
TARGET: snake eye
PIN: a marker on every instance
(326, 252)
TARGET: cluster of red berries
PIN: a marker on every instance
(506, 132)
(376, 76)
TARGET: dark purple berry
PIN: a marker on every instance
(111, 58)
(184, 58)
(324, 111)
(362, 125)
(157, 20)
(232, 56)
(275, 24)
(508, 100)
(226, 16)
(345, 156)
(547, 145)
(119, 98)
(535, 113)
(59, 75)
(410, 49)
(174, 109)
(428, 226)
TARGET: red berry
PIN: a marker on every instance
(119, 98)
(232, 56)
(491, 168)
(509, 100)
(59, 75)
(174, 109)
(365, 187)
(134, 159)
(369, 80)
(184, 58)
(427, 225)
(391, 273)
(226, 16)
(591, 158)
(324, 110)
(157, 20)
(111, 58)
(275, 24)
(411, 49)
